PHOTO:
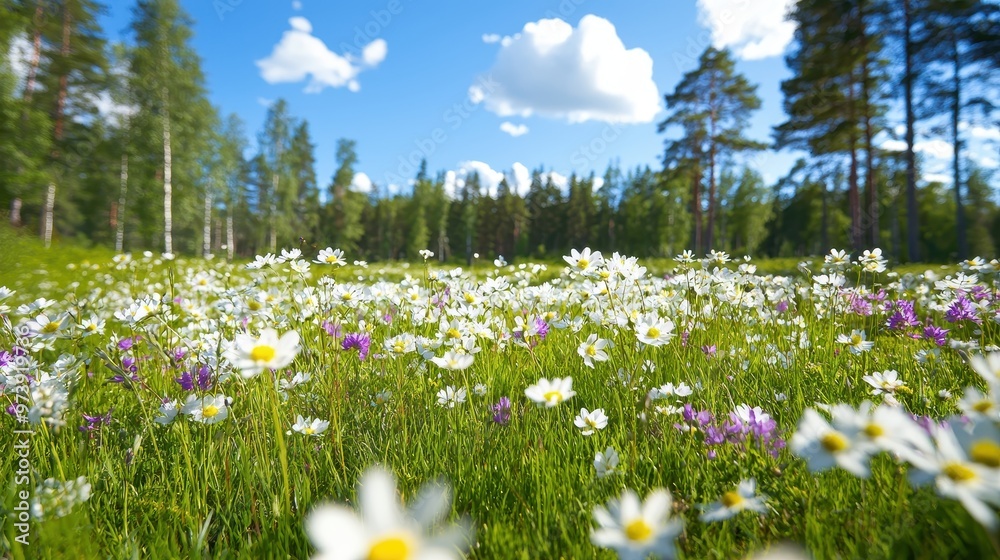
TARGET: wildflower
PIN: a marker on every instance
(310, 426)
(207, 410)
(856, 342)
(501, 411)
(54, 498)
(962, 310)
(709, 350)
(885, 382)
(872, 261)
(551, 393)
(384, 530)
(606, 463)
(381, 398)
(168, 411)
(584, 261)
(94, 423)
(824, 446)
(838, 259)
(449, 396)
(731, 503)
(637, 529)
(593, 349)
(903, 317)
(937, 334)
(987, 366)
(252, 356)
(360, 341)
(957, 474)
(331, 256)
(654, 331)
(590, 422)
(454, 361)
(426, 254)
(499, 262)
(260, 262)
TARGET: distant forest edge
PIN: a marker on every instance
(170, 173)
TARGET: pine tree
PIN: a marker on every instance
(712, 104)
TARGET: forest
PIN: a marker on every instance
(117, 145)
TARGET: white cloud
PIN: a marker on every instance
(108, 108)
(299, 55)
(19, 56)
(520, 178)
(937, 178)
(491, 38)
(558, 179)
(935, 148)
(598, 183)
(374, 52)
(987, 162)
(983, 133)
(361, 183)
(754, 29)
(296, 5)
(893, 145)
(577, 74)
(514, 130)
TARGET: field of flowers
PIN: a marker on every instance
(303, 406)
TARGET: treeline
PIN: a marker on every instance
(118, 145)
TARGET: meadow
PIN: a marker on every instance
(307, 405)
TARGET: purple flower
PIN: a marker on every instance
(684, 338)
(360, 341)
(962, 310)
(5, 358)
(860, 305)
(782, 306)
(709, 350)
(904, 316)
(332, 329)
(179, 354)
(128, 342)
(501, 411)
(937, 334)
(186, 381)
(95, 422)
(128, 364)
(204, 378)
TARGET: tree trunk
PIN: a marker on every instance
(36, 54)
(956, 109)
(871, 187)
(272, 240)
(696, 208)
(912, 218)
(852, 193)
(122, 193)
(230, 238)
(50, 198)
(710, 227)
(206, 244)
(50, 201)
(168, 218)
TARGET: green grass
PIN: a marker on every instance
(190, 490)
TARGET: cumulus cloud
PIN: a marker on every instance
(753, 29)
(937, 149)
(514, 130)
(300, 55)
(893, 145)
(578, 74)
(110, 109)
(361, 183)
(489, 38)
(983, 133)
(520, 178)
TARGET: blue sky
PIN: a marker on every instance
(407, 80)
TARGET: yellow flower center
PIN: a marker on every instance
(834, 442)
(398, 347)
(210, 411)
(309, 430)
(553, 396)
(331, 258)
(958, 472)
(91, 327)
(653, 332)
(453, 333)
(985, 452)
(731, 499)
(591, 350)
(52, 327)
(874, 430)
(262, 353)
(582, 263)
(389, 548)
(348, 296)
(856, 339)
(469, 298)
(638, 530)
(983, 406)
(254, 305)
